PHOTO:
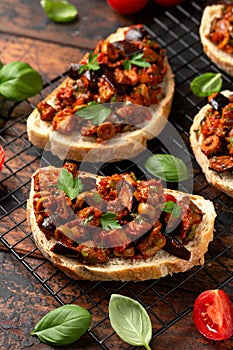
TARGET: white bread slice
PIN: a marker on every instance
(221, 180)
(126, 145)
(223, 60)
(158, 266)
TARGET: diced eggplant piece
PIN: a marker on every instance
(62, 249)
(174, 247)
(219, 101)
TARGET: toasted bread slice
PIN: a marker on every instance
(129, 269)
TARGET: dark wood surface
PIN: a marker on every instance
(26, 34)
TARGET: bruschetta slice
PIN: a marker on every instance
(114, 100)
(216, 35)
(211, 138)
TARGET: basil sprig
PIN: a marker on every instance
(63, 326)
(138, 60)
(95, 112)
(109, 221)
(92, 63)
(18, 81)
(172, 208)
(71, 186)
(167, 167)
(206, 84)
(130, 321)
(59, 11)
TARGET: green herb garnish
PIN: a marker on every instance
(231, 141)
(95, 112)
(91, 65)
(138, 60)
(109, 221)
(18, 81)
(206, 84)
(172, 208)
(167, 167)
(71, 186)
(63, 326)
(130, 321)
(59, 11)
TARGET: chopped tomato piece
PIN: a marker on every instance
(170, 198)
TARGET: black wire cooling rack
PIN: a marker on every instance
(176, 29)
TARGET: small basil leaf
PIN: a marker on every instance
(206, 84)
(167, 167)
(109, 221)
(137, 60)
(172, 208)
(59, 11)
(130, 320)
(97, 113)
(71, 186)
(63, 326)
(91, 65)
(18, 81)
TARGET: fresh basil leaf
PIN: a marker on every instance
(138, 60)
(231, 141)
(172, 208)
(59, 11)
(206, 84)
(130, 321)
(18, 81)
(63, 326)
(167, 167)
(91, 65)
(97, 113)
(71, 186)
(127, 65)
(109, 221)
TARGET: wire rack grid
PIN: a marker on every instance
(176, 29)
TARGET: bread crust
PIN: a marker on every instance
(223, 60)
(158, 266)
(128, 144)
(221, 180)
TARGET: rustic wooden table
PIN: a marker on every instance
(26, 34)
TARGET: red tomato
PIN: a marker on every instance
(169, 198)
(127, 7)
(168, 2)
(2, 157)
(213, 315)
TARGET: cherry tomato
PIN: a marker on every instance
(127, 7)
(213, 315)
(168, 2)
(2, 157)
